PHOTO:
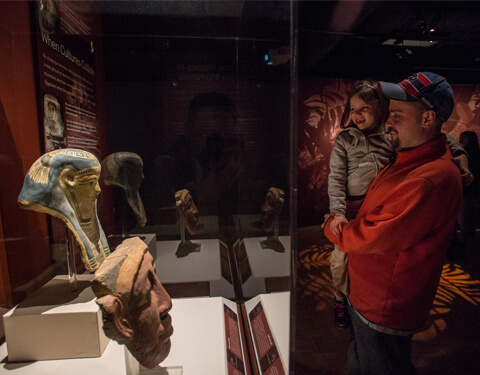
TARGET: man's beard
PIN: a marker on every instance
(394, 135)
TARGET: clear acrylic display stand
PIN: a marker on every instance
(72, 268)
(185, 247)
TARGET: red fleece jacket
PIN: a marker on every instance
(396, 244)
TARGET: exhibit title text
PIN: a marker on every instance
(66, 53)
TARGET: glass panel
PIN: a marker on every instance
(206, 107)
(170, 121)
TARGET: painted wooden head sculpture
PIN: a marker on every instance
(134, 303)
(64, 183)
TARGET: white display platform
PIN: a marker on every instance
(56, 323)
(114, 361)
(198, 340)
(195, 267)
(277, 311)
(199, 343)
(267, 262)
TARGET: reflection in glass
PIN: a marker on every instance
(270, 212)
(188, 219)
(125, 170)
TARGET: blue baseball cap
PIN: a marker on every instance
(430, 89)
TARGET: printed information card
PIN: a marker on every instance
(235, 362)
(67, 75)
(265, 347)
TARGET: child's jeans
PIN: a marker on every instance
(339, 269)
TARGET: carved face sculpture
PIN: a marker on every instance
(272, 207)
(82, 191)
(125, 169)
(134, 303)
(187, 209)
(64, 183)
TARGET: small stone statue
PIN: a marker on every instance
(134, 303)
(125, 169)
(64, 183)
(270, 211)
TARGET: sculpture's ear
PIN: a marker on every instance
(115, 325)
(121, 324)
(67, 179)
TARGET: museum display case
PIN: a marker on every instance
(168, 123)
(202, 129)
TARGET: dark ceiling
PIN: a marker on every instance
(335, 38)
(347, 41)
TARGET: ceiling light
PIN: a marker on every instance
(409, 43)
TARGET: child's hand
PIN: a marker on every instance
(467, 177)
(325, 219)
(462, 163)
(336, 225)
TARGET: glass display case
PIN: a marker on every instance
(204, 129)
(176, 120)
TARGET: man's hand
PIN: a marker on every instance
(336, 225)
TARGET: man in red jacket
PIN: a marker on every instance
(397, 242)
